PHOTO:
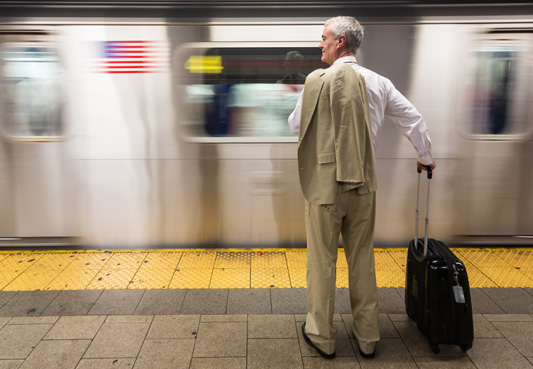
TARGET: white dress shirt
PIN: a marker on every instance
(384, 99)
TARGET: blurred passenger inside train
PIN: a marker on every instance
(352, 215)
(293, 65)
(251, 95)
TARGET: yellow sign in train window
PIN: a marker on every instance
(204, 64)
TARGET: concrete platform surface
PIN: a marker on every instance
(240, 328)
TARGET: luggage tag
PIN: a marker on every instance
(459, 294)
(458, 291)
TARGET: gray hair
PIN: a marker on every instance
(349, 27)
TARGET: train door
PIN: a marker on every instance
(33, 165)
(497, 166)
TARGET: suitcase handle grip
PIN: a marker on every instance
(430, 175)
(429, 170)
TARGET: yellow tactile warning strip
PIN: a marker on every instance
(221, 268)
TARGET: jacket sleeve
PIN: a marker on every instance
(348, 118)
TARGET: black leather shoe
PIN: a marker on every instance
(308, 341)
(367, 356)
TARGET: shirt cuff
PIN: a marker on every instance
(425, 159)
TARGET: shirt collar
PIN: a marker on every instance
(346, 59)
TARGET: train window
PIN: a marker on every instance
(30, 84)
(499, 96)
(244, 92)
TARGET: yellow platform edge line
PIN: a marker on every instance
(112, 251)
(37, 277)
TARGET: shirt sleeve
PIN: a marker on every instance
(294, 118)
(410, 122)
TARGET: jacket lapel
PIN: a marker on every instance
(313, 87)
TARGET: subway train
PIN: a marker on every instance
(164, 124)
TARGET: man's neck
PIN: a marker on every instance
(343, 54)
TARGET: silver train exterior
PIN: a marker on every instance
(135, 133)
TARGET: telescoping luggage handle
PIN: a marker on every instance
(458, 291)
(430, 175)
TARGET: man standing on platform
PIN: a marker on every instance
(338, 117)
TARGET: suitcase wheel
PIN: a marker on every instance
(464, 348)
(434, 347)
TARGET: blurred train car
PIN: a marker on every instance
(163, 124)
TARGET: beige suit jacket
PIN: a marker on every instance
(335, 150)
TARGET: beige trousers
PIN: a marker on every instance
(353, 216)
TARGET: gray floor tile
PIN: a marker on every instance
(34, 320)
(75, 328)
(57, 354)
(18, 341)
(482, 303)
(224, 318)
(399, 317)
(508, 317)
(129, 319)
(520, 334)
(249, 301)
(417, 343)
(337, 363)
(390, 301)
(205, 302)
(10, 364)
(390, 353)
(106, 363)
(221, 340)
(497, 353)
(163, 302)
(117, 302)
(218, 363)
(5, 296)
(4, 321)
(165, 353)
(174, 326)
(401, 292)
(30, 303)
(386, 327)
(442, 362)
(118, 340)
(73, 303)
(511, 300)
(342, 301)
(274, 353)
(272, 326)
(343, 345)
(483, 328)
(289, 301)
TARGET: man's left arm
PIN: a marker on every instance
(294, 118)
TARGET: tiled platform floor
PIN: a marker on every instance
(240, 328)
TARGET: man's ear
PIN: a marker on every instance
(341, 40)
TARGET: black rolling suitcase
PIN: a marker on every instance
(437, 293)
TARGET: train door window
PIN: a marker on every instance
(30, 91)
(499, 95)
(243, 92)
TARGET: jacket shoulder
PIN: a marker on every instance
(343, 69)
(317, 73)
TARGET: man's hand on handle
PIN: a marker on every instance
(421, 166)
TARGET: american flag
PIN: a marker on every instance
(129, 57)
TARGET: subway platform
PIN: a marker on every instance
(237, 309)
